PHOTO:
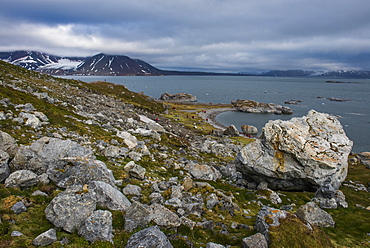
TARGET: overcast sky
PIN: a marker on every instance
(224, 35)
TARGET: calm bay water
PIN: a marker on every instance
(313, 92)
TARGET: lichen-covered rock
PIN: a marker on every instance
(4, 167)
(128, 139)
(231, 131)
(151, 237)
(78, 170)
(21, 179)
(257, 240)
(98, 226)
(162, 216)
(70, 208)
(214, 245)
(299, 154)
(132, 190)
(45, 238)
(203, 172)
(314, 215)
(108, 196)
(8, 144)
(137, 215)
(135, 170)
(248, 129)
(47, 152)
(267, 217)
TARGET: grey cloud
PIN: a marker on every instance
(213, 34)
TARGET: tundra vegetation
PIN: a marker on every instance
(224, 209)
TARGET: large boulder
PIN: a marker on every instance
(314, 215)
(21, 179)
(78, 170)
(47, 152)
(203, 172)
(108, 196)
(8, 144)
(137, 215)
(98, 226)
(298, 154)
(150, 238)
(71, 208)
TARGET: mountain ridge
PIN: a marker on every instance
(120, 65)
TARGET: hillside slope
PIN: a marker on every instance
(185, 178)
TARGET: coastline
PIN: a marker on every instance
(211, 114)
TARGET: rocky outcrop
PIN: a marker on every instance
(314, 215)
(250, 106)
(299, 154)
(70, 208)
(149, 237)
(47, 152)
(179, 97)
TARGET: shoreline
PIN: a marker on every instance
(211, 114)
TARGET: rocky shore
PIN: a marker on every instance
(95, 165)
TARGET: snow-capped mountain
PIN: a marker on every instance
(100, 64)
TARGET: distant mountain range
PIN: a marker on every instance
(119, 65)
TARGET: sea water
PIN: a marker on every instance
(313, 92)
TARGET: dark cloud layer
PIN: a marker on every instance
(232, 35)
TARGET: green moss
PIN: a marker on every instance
(292, 232)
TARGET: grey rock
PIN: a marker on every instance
(203, 172)
(40, 193)
(135, 155)
(19, 207)
(267, 217)
(178, 97)
(108, 196)
(330, 198)
(248, 129)
(137, 215)
(135, 170)
(231, 131)
(187, 222)
(48, 152)
(8, 144)
(364, 158)
(132, 190)
(98, 226)
(79, 170)
(214, 245)
(154, 126)
(43, 179)
(314, 215)
(111, 151)
(45, 238)
(275, 198)
(299, 154)
(31, 121)
(41, 116)
(16, 234)
(156, 197)
(4, 167)
(128, 139)
(21, 179)
(257, 240)
(70, 208)
(164, 217)
(151, 237)
(212, 201)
